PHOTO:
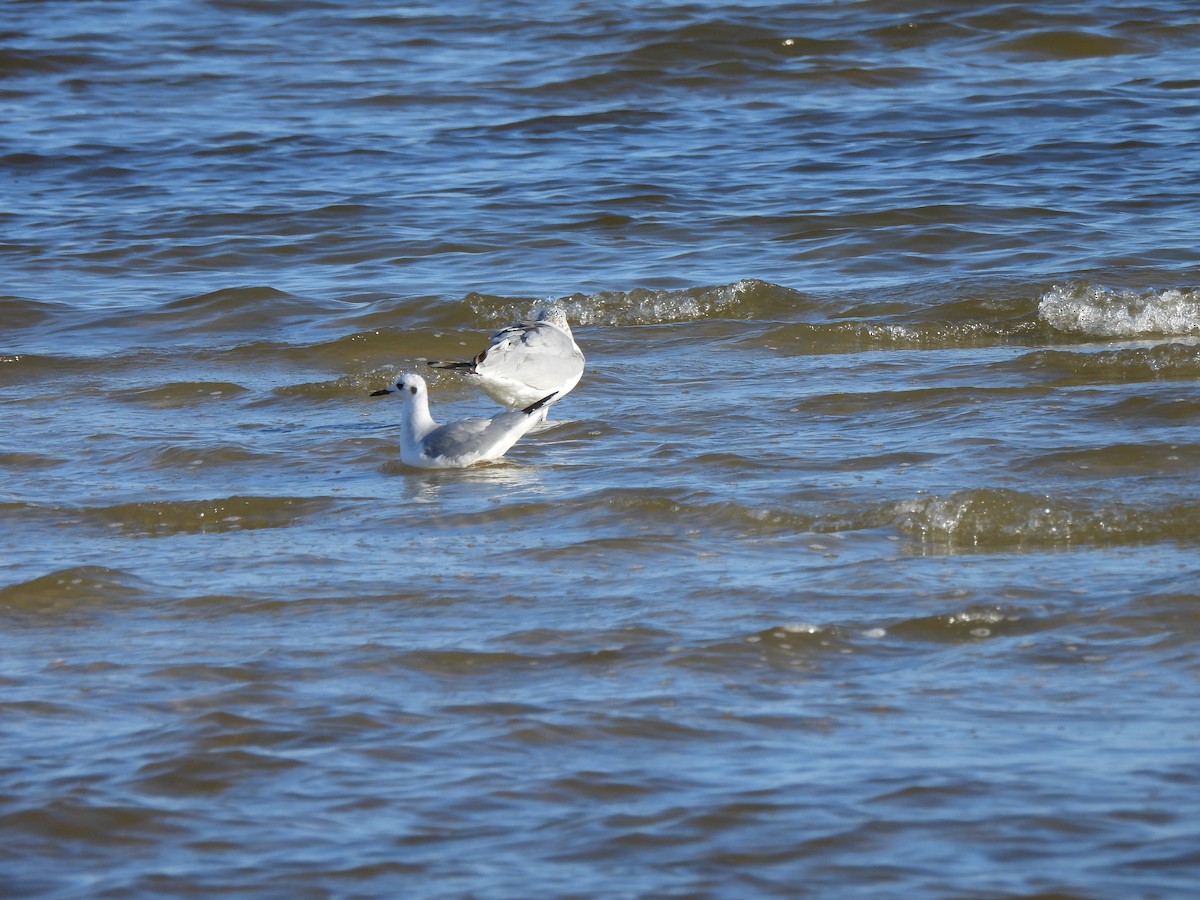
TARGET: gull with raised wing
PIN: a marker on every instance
(525, 362)
(427, 445)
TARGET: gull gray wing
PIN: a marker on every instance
(534, 353)
(470, 437)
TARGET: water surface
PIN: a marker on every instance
(862, 562)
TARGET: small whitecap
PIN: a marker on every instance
(801, 628)
(1094, 310)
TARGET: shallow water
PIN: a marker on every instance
(862, 562)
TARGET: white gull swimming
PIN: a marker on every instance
(525, 362)
(426, 444)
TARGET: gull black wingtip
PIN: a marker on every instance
(536, 406)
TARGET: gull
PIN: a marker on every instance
(525, 362)
(427, 445)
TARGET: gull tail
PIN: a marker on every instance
(451, 364)
(531, 409)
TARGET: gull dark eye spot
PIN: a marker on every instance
(413, 389)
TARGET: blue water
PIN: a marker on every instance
(552, 149)
(862, 561)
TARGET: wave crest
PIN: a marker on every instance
(1003, 517)
(744, 299)
(72, 588)
(1093, 310)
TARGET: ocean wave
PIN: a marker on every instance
(254, 309)
(72, 588)
(343, 388)
(372, 330)
(856, 336)
(210, 457)
(748, 298)
(1093, 310)
(25, 460)
(999, 518)
(177, 394)
(1068, 44)
(1130, 459)
(23, 312)
(1003, 518)
(974, 622)
(16, 368)
(1162, 362)
(159, 518)
(899, 322)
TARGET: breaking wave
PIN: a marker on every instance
(1092, 310)
(1005, 518)
(978, 518)
(745, 299)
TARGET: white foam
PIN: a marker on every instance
(801, 628)
(1093, 310)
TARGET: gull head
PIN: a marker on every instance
(555, 316)
(406, 386)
